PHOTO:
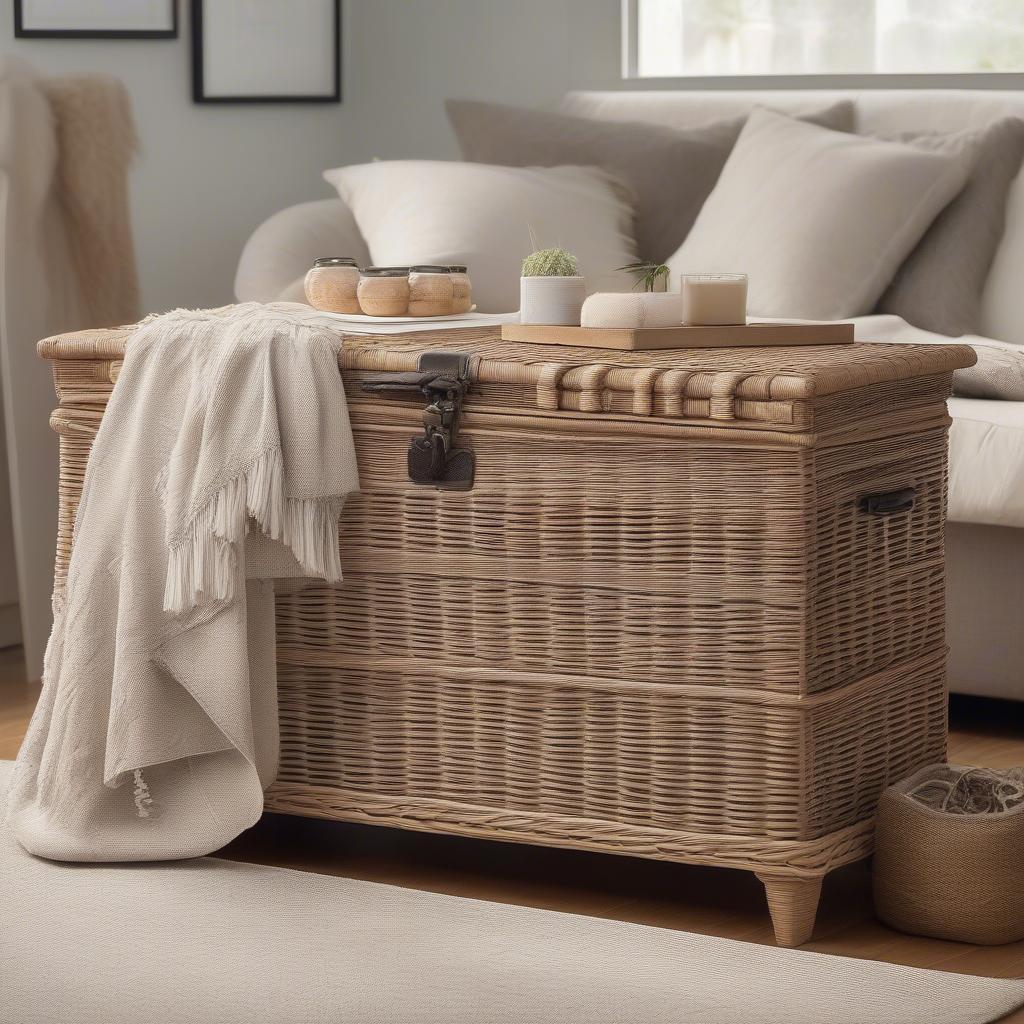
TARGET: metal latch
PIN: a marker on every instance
(434, 458)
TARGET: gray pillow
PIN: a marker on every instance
(671, 170)
(939, 286)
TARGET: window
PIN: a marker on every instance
(682, 38)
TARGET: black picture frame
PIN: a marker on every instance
(21, 32)
(199, 94)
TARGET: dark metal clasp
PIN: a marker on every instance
(434, 459)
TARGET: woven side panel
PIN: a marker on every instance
(877, 582)
(865, 741)
(83, 385)
(83, 381)
(77, 431)
(657, 757)
(510, 571)
(880, 401)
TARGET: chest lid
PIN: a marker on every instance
(773, 388)
(788, 389)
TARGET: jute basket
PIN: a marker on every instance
(957, 876)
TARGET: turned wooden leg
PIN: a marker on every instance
(793, 903)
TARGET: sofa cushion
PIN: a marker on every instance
(489, 218)
(283, 248)
(940, 284)
(986, 462)
(878, 111)
(671, 170)
(819, 220)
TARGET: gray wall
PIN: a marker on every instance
(209, 174)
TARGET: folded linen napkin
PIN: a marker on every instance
(156, 731)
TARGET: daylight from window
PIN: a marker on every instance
(820, 37)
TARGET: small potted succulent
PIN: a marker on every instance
(551, 290)
(653, 277)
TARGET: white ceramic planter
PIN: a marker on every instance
(551, 300)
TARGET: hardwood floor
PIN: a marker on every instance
(709, 900)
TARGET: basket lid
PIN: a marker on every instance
(774, 386)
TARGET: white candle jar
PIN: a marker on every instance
(712, 300)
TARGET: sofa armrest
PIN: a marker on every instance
(283, 247)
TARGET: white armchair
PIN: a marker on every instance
(67, 264)
(281, 250)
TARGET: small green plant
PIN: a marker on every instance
(647, 274)
(550, 263)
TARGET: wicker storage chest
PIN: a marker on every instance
(681, 604)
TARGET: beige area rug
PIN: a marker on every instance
(215, 942)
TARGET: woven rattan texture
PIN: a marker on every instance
(766, 385)
(693, 403)
(667, 630)
(774, 859)
(678, 560)
(673, 758)
(765, 373)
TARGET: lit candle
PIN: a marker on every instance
(714, 299)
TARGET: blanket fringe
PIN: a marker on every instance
(202, 566)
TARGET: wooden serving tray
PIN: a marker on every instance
(639, 338)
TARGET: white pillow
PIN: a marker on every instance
(819, 220)
(427, 211)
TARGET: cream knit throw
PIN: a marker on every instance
(156, 732)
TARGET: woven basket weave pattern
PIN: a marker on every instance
(666, 631)
(639, 562)
(659, 756)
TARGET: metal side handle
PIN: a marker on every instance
(889, 503)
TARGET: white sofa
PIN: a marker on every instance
(986, 507)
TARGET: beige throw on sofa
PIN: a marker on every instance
(156, 731)
(96, 143)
